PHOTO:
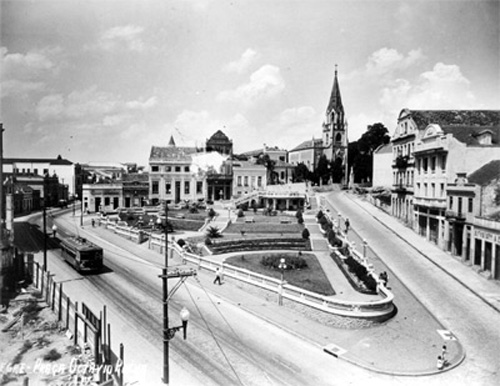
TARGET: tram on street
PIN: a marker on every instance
(82, 254)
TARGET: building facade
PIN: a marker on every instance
(473, 219)
(461, 142)
(382, 166)
(60, 167)
(248, 177)
(307, 153)
(220, 182)
(170, 175)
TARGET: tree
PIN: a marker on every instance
(301, 172)
(360, 152)
(269, 164)
(322, 171)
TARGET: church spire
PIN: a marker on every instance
(171, 142)
(335, 99)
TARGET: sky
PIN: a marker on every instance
(104, 81)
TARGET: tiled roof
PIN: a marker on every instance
(456, 117)
(135, 177)
(485, 174)
(469, 134)
(308, 145)
(171, 153)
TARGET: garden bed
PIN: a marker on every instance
(258, 244)
(312, 278)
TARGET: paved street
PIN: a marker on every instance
(408, 344)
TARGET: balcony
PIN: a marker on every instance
(402, 188)
(437, 203)
(401, 162)
(454, 215)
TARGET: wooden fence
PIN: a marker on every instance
(87, 330)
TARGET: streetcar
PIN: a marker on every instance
(82, 254)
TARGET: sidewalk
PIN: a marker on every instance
(487, 290)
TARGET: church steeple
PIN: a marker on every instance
(335, 103)
(171, 142)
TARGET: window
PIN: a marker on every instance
(433, 164)
(459, 204)
(450, 205)
(155, 187)
(259, 181)
(168, 188)
(186, 169)
(442, 190)
(246, 181)
(186, 187)
(45, 171)
(443, 163)
(107, 201)
(424, 165)
(433, 190)
(168, 168)
(155, 168)
(35, 171)
(471, 205)
(338, 138)
(239, 180)
(177, 168)
(418, 189)
(425, 190)
(199, 187)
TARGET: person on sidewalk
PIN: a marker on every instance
(347, 225)
(54, 230)
(440, 363)
(218, 276)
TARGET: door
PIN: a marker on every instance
(177, 193)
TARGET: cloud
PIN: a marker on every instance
(444, 87)
(91, 105)
(265, 83)
(384, 64)
(122, 37)
(140, 105)
(243, 63)
(22, 74)
(387, 60)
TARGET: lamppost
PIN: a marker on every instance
(282, 267)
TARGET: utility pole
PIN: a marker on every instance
(168, 333)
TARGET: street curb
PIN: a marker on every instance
(424, 255)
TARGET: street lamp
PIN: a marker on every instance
(184, 315)
(282, 267)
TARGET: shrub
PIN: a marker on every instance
(193, 209)
(213, 232)
(292, 262)
(319, 215)
(181, 243)
(240, 213)
(306, 234)
(208, 241)
(52, 355)
(300, 220)
(212, 213)
(298, 214)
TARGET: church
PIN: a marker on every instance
(334, 140)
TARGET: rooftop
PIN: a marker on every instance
(465, 118)
(172, 153)
(313, 143)
(486, 173)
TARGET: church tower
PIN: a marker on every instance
(335, 127)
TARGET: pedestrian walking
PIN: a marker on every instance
(218, 276)
(347, 225)
(440, 363)
(54, 230)
(93, 223)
